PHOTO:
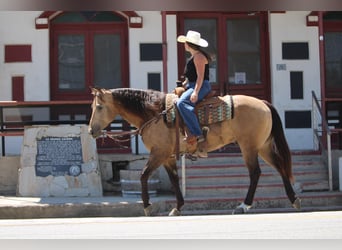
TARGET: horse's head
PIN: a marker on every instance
(103, 111)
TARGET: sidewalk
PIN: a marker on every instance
(12, 207)
(116, 206)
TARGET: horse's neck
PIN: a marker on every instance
(132, 119)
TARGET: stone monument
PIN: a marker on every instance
(59, 161)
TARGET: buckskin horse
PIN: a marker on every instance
(255, 126)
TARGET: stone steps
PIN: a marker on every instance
(228, 177)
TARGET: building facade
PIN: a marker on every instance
(278, 56)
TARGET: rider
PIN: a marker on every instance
(198, 86)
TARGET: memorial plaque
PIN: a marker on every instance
(59, 156)
(59, 161)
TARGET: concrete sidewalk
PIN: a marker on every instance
(66, 207)
(116, 206)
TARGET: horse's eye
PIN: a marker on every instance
(99, 107)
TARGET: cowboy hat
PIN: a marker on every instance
(193, 37)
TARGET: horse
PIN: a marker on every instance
(256, 127)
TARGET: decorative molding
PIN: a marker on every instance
(43, 20)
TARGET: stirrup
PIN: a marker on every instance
(202, 150)
(200, 138)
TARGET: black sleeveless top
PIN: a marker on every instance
(190, 71)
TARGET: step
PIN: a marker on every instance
(231, 190)
(200, 169)
(223, 177)
(237, 178)
(262, 188)
(237, 159)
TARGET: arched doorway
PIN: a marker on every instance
(87, 49)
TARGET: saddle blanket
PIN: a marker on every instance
(211, 110)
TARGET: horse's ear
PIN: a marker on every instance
(95, 90)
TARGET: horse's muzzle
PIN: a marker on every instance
(94, 132)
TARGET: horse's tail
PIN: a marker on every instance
(282, 152)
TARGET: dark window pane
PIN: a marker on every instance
(243, 43)
(208, 29)
(295, 51)
(297, 119)
(71, 62)
(151, 52)
(296, 80)
(107, 61)
(333, 59)
(153, 81)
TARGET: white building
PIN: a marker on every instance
(57, 56)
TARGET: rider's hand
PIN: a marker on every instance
(194, 97)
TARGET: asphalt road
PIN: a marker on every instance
(309, 225)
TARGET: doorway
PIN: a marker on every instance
(88, 49)
(239, 48)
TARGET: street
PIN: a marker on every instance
(309, 225)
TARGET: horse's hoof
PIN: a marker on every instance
(238, 210)
(175, 212)
(148, 210)
(241, 209)
(297, 204)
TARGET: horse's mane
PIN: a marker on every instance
(141, 102)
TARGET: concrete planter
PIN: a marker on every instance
(131, 185)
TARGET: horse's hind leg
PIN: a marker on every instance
(171, 169)
(251, 160)
(271, 157)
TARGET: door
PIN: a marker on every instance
(333, 73)
(88, 49)
(238, 45)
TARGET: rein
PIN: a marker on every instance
(116, 135)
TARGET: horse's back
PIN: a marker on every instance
(252, 119)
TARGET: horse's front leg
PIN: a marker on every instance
(171, 169)
(153, 163)
(144, 190)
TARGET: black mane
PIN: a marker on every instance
(141, 102)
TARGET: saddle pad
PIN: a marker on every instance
(215, 109)
(170, 114)
(211, 110)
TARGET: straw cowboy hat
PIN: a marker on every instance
(193, 37)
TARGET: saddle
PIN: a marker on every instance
(210, 110)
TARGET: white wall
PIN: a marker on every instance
(152, 33)
(291, 27)
(18, 27)
(149, 33)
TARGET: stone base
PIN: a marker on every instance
(9, 166)
(84, 181)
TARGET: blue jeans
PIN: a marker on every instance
(187, 109)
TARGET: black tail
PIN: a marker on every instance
(282, 152)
